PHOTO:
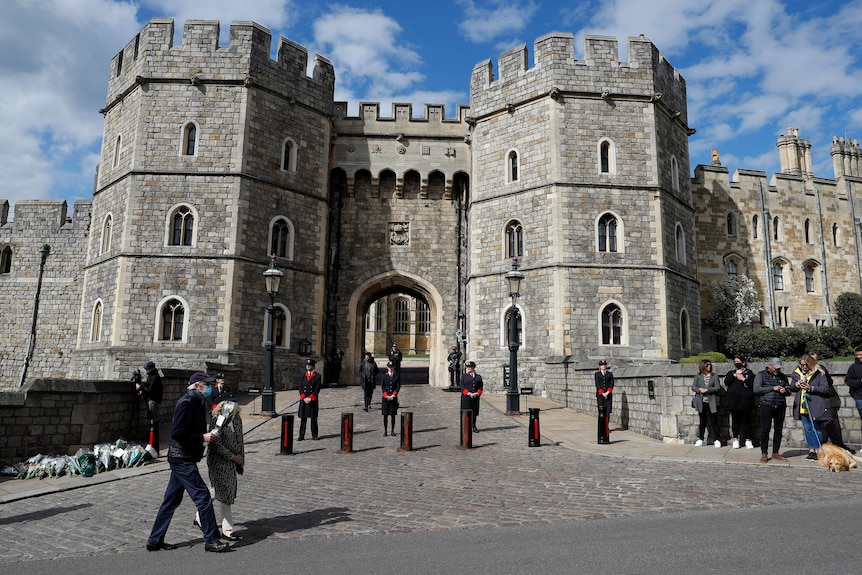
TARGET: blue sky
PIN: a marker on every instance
(753, 68)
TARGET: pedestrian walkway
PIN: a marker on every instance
(558, 425)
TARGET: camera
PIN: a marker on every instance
(136, 377)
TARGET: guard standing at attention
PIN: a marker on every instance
(471, 391)
(309, 391)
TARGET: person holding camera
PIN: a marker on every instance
(152, 391)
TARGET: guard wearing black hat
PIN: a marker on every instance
(152, 391)
(395, 357)
(221, 392)
(471, 391)
(390, 384)
(604, 398)
(309, 390)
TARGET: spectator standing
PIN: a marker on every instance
(811, 405)
(832, 428)
(853, 379)
(368, 372)
(152, 391)
(739, 401)
(454, 359)
(772, 387)
(706, 387)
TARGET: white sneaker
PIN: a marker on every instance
(736, 444)
(717, 443)
(748, 444)
(698, 443)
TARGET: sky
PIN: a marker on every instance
(752, 68)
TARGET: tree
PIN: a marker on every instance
(735, 303)
(848, 307)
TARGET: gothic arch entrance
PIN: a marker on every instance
(389, 283)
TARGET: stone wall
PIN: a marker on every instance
(668, 415)
(54, 416)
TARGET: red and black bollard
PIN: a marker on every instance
(466, 429)
(604, 429)
(346, 433)
(153, 434)
(534, 438)
(406, 431)
(286, 435)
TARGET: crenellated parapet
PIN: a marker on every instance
(152, 57)
(846, 157)
(369, 120)
(600, 75)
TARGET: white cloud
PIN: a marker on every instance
(498, 18)
(366, 50)
(273, 14)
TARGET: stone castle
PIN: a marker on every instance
(216, 157)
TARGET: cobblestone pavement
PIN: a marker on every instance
(318, 492)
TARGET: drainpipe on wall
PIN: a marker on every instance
(855, 235)
(823, 273)
(767, 254)
(31, 345)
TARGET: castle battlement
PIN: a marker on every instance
(601, 74)
(369, 120)
(151, 56)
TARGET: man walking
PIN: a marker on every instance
(773, 388)
(188, 435)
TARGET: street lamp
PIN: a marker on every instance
(272, 276)
(513, 398)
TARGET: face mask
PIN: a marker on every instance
(208, 391)
(737, 365)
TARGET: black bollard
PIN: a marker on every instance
(286, 435)
(406, 431)
(534, 440)
(153, 435)
(346, 433)
(466, 429)
(604, 430)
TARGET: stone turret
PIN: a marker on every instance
(846, 157)
(795, 154)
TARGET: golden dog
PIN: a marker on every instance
(835, 458)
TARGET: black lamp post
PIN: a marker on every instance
(513, 398)
(272, 276)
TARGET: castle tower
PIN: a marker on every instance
(580, 169)
(213, 158)
(795, 154)
(846, 157)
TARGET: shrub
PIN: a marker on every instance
(789, 342)
(848, 310)
(713, 356)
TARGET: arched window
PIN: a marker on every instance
(807, 229)
(684, 336)
(423, 317)
(117, 145)
(190, 136)
(607, 233)
(777, 276)
(172, 316)
(106, 235)
(514, 239)
(680, 243)
(402, 315)
(775, 223)
(612, 325)
(96, 322)
(288, 155)
(809, 278)
(6, 260)
(182, 226)
(731, 225)
(519, 327)
(674, 174)
(755, 223)
(280, 326)
(607, 159)
(512, 166)
(835, 235)
(731, 269)
(281, 238)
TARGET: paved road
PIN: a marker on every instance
(378, 491)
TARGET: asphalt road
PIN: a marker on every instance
(501, 506)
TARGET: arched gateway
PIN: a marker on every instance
(386, 284)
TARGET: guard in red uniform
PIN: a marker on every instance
(471, 391)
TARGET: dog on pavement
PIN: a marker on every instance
(835, 458)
